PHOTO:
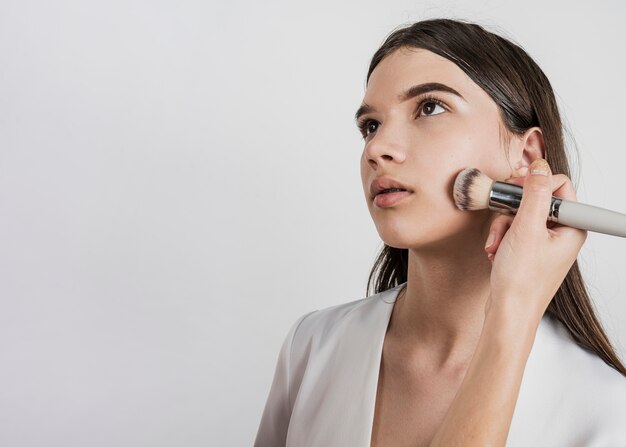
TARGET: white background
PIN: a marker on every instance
(179, 181)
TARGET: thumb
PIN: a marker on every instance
(537, 196)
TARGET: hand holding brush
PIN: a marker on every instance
(529, 258)
(474, 190)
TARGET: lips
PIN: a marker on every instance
(381, 184)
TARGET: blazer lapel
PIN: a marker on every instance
(335, 405)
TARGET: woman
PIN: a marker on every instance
(480, 331)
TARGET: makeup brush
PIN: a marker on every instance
(474, 190)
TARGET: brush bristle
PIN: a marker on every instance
(471, 190)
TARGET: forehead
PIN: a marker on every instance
(406, 67)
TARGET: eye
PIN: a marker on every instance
(366, 127)
(429, 106)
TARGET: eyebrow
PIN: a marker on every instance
(412, 92)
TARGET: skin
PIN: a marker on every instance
(466, 321)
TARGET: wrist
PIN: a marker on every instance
(512, 321)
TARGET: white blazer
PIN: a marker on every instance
(326, 377)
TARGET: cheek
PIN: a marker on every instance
(445, 162)
(468, 144)
(364, 174)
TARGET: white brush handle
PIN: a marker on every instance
(592, 218)
(507, 197)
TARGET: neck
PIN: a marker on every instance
(440, 313)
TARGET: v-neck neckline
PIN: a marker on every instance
(390, 296)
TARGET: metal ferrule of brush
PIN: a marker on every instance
(506, 198)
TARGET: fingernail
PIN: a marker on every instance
(539, 166)
(490, 240)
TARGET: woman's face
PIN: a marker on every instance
(424, 141)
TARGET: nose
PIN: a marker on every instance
(386, 146)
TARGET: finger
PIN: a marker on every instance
(537, 197)
(519, 181)
(519, 176)
(497, 230)
(562, 187)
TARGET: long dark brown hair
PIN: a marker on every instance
(525, 99)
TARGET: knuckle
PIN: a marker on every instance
(561, 177)
(563, 187)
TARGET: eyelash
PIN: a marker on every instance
(363, 124)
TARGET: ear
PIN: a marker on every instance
(531, 147)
